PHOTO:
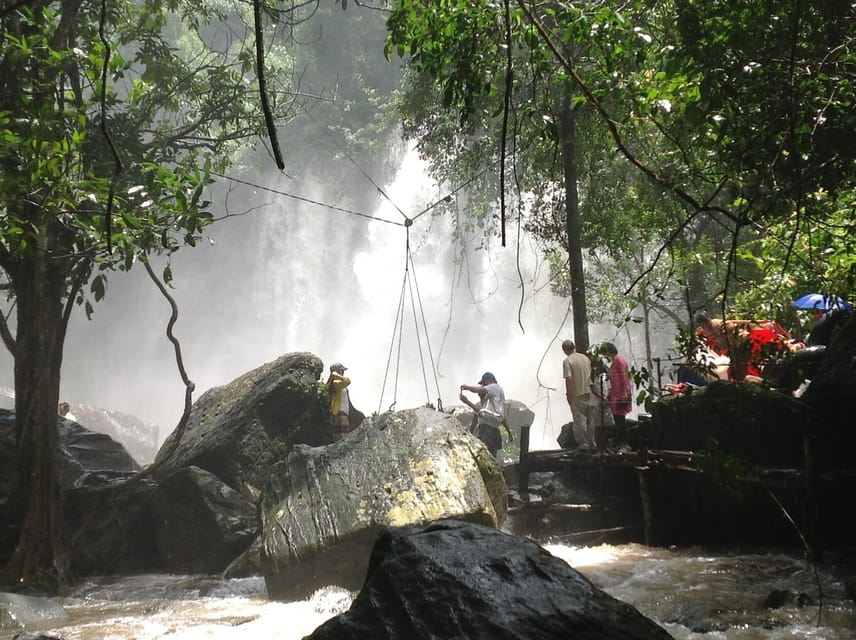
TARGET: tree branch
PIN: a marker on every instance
(610, 122)
(263, 95)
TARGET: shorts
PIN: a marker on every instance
(340, 425)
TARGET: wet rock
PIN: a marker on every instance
(18, 611)
(239, 430)
(325, 506)
(95, 530)
(109, 529)
(831, 394)
(777, 599)
(453, 579)
(92, 458)
(138, 436)
(755, 424)
(87, 457)
(200, 523)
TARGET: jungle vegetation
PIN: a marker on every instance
(669, 155)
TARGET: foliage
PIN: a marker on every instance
(170, 112)
(742, 115)
(798, 256)
(113, 116)
(727, 470)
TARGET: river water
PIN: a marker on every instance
(692, 594)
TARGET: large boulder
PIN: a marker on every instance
(109, 530)
(138, 436)
(240, 430)
(200, 524)
(831, 394)
(105, 526)
(758, 425)
(90, 457)
(325, 506)
(456, 580)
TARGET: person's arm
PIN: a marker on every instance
(474, 388)
(467, 401)
(338, 377)
(508, 431)
(569, 388)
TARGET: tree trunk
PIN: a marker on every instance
(572, 223)
(38, 562)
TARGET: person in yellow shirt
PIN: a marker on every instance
(340, 406)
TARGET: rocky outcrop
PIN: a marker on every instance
(461, 580)
(194, 506)
(325, 506)
(90, 457)
(238, 431)
(108, 531)
(198, 511)
(757, 425)
(138, 436)
(831, 394)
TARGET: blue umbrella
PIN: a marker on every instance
(821, 302)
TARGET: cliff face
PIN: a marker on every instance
(138, 436)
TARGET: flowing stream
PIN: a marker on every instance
(692, 594)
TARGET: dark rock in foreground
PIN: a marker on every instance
(453, 580)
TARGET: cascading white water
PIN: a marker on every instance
(693, 595)
(294, 276)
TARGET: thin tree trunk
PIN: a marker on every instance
(572, 223)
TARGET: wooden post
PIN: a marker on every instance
(523, 463)
(645, 499)
(810, 508)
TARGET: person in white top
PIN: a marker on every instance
(490, 411)
(65, 412)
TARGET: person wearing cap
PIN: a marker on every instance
(340, 406)
(490, 411)
(576, 369)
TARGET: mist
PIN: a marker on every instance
(291, 276)
(279, 274)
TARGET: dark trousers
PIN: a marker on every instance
(491, 437)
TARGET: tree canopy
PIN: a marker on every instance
(739, 119)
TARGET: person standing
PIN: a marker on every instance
(340, 406)
(620, 389)
(490, 411)
(576, 369)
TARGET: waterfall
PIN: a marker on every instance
(283, 274)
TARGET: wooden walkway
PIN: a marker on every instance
(669, 485)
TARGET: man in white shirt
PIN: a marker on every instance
(576, 369)
(490, 411)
